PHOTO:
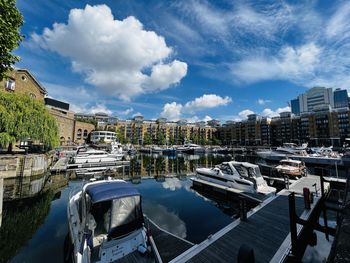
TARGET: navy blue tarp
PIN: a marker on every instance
(109, 190)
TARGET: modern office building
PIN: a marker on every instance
(314, 98)
(341, 99)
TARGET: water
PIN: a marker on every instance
(170, 202)
(34, 231)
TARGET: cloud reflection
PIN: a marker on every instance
(174, 183)
(165, 219)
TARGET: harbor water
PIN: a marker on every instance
(34, 230)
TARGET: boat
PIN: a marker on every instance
(156, 149)
(191, 148)
(294, 169)
(95, 156)
(283, 152)
(292, 148)
(242, 176)
(117, 150)
(106, 224)
(169, 151)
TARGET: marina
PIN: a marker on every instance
(170, 175)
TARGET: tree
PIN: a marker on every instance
(10, 22)
(22, 117)
(147, 139)
(161, 138)
(120, 136)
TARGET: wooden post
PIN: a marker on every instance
(293, 224)
(1, 197)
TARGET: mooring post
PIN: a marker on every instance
(293, 223)
(286, 182)
(243, 209)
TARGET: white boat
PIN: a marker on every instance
(117, 150)
(292, 148)
(96, 156)
(292, 168)
(191, 148)
(106, 223)
(239, 175)
(287, 150)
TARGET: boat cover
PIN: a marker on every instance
(109, 190)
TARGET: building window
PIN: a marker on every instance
(85, 134)
(79, 134)
(32, 95)
(23, 77)
(10, 84)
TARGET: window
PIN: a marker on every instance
(79, 134)
(10, 84)
(23, 77)
(32, 95)
(85, 133)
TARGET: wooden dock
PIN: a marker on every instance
(266, 231)
(169, 246)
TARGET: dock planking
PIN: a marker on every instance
(169, 246)
(266, 229)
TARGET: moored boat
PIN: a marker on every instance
(106, 223)
(292, 168)
(239, 175)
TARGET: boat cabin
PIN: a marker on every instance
(294, 163)
(112, 209)
(244, 169)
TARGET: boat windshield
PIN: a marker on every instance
(254, 172)
(118, 217)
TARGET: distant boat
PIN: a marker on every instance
(106, 224)
(238, 175)
(191, 148)
(292, 168)
(169, 151)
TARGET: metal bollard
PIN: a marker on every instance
(306, 193)
(245, 254)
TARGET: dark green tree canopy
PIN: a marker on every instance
(22, 117)
(10, 22)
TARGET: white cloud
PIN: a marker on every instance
(270, 113)
(244, 113)
(137, 114)
(97, 108)
(174, 111)
(294, 64)
(207, 101)
(125, 112)
(171, 111)
(114, 55)
(262, 101)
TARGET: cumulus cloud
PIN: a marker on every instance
(244, 113)
(173, 111)
(125, 112)
(270, 113)
(114, 55)
(97, 108)
(207, 101)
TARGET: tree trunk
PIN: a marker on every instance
(9, 148)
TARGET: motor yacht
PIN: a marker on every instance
(191, 148)
(106, 224)
(292, 168)
(239, 175)
(93, 156)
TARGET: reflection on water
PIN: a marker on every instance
(156, 165)
(20, 223)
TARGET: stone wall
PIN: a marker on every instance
(12, 166)
(81, 131)
(65, 123)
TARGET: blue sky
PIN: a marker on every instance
(185, 59)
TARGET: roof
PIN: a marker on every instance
(109, 190)
(245, 164)
(34, 79)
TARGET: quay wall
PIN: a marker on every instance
(12, 166)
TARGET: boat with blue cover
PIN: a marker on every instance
(106, 224)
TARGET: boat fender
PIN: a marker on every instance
(142, 249)
(245, 254)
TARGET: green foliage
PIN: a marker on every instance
(147, 139)
(94, 122)
(21, 118)
(161, 138)
(120, 136)
(10, 22)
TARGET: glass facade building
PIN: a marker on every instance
(341, 98)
